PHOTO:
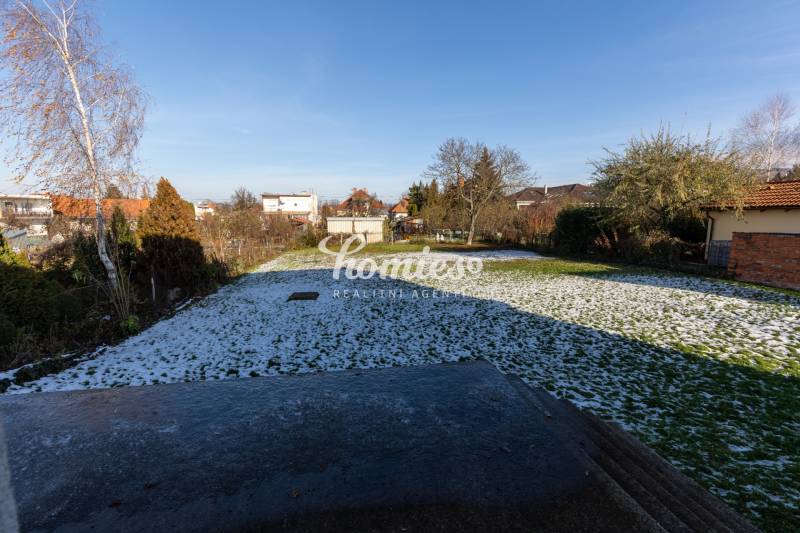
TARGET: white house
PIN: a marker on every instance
(204, 208)
(29, 211)
(300, 206)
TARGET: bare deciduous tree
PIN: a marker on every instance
(767, 136)
(478, 176)
(75, 116)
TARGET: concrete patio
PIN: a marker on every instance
(449, 447)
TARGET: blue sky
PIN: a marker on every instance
(283, 96)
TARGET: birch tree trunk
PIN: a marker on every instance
(74, 117)
(102, 248)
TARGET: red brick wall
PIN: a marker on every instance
(768, 258)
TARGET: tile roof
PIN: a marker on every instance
(774, 194)
(539, 194)
(400, 207)
(72, 207)
(359, 195)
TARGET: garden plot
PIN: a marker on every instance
(704, 371)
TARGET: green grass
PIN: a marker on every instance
(416, 246)
(561, 267)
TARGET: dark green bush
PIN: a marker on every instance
(687, 228)
(130, 326)
(310, 238)
(36, 301)
(31, 302)
(217, 270)
(8, 332)
(577, 230)
(177, 262)
(591, 230)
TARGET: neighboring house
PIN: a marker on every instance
(399, 210)
(79, 213)
(533, 196)
(302, 206)
(370, 227)
(360, 204)
(29, 211)
(411, 225)
(763, 245)
(204, 208)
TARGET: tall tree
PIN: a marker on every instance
(768, 136)
(477, 176)
(243, 200)
(113, 192)
(75, 115)
(663, 177)
(168, 214)
(245, 223)
(417, 196)
(171, 242)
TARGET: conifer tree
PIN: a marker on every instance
(168, 215)
(171, 243)
(121, 239)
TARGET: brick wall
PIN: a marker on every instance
(768, 258)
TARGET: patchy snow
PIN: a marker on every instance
(704, 371)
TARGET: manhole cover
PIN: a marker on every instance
(303, 296)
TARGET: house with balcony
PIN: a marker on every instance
(303, 207)
(31, 212)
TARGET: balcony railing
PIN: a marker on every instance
(26, 212)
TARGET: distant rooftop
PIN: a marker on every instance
(539, 194)
(279, 194)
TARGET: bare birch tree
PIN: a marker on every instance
(767, 136)
(74, 117)
(477, 176)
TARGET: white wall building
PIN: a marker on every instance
(304, 205)
(370, 227)
(204, 208)
(31, 211)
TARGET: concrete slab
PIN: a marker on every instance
(447, 447)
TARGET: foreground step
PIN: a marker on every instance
(448, 447)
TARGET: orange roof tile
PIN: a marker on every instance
(401, 206)
(132, 207)
(774, 194)
(72, 207)
(360, 195)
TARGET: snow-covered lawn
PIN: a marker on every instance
(707, 372)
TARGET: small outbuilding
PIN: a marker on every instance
(762, 245)
(370, 227)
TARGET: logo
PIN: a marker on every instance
(423, 265)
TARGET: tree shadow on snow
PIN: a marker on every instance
(710, 417)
